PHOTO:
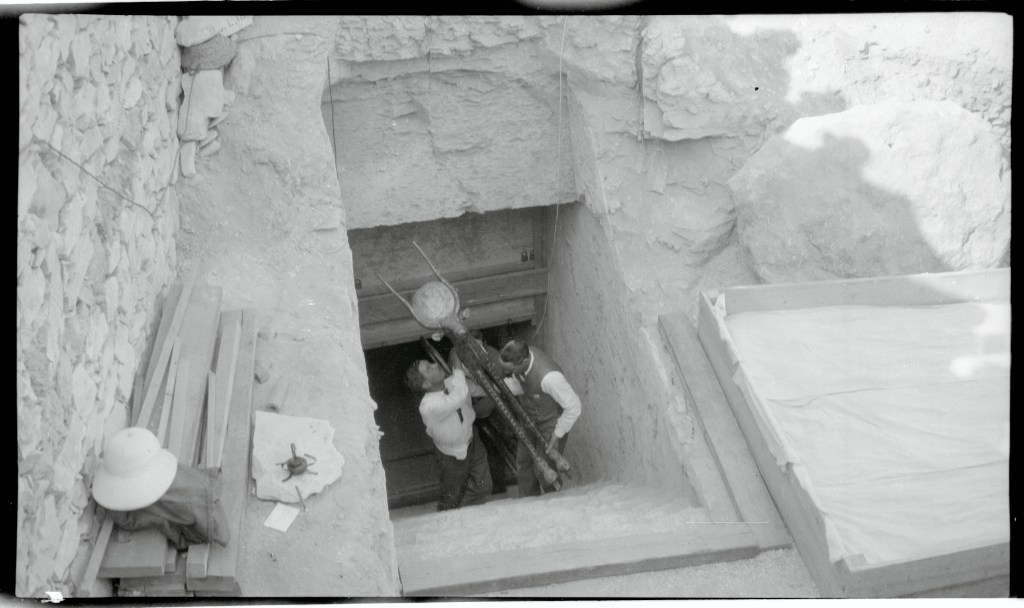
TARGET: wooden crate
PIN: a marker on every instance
(982, 571)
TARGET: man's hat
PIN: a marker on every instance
(135, 471)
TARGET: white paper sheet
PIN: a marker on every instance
(281, 517)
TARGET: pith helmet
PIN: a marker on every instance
(134, 472)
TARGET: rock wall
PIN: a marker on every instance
(436, 116)
(631, 426)
(97, 217)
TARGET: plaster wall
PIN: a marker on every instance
(630, 427)
(97, 219)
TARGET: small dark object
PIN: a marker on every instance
(297, 465)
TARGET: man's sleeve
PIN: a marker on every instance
(555, 384)
(439, 404)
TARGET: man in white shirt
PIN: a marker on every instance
(448, 415)
(551, 403)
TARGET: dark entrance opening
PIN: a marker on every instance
(407, 453)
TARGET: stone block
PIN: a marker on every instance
(132, 92)
(111, 297)
(882, 189)
(204, 99)
(96, 334)
(83, 391)
(193, 30)
(81, 54)
(188, 158)
(28, 166)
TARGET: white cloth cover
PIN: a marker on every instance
(894, 419)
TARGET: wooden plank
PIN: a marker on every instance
(170, 559)
(141, 553)
(171, 301)
(747, 491)
(171, 584)
(92, 568)
(462, 575)
(938, 572)
(178, 411)
(227, 362)
(935, 288)
(804, 522)
(197, 561)
(165, 349)
(474, 292)
(452, 276)
(198, 338)
(165, 407)
(138, 385)
(991, 587)
(966, 571)
(211, 409)
(488, 315)
(223, 561)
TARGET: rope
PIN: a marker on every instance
(334, 129)
(558, 183)
(98, 180)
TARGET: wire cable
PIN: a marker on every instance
(558, 183)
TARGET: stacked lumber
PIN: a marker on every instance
(196, 396)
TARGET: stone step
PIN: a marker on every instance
(581, 532)
(596, 511)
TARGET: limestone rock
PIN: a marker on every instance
(188, 158)
(890, 188)
(272, 437)
(204, 99)
(193, 30)
(702, 79)
(210, 148)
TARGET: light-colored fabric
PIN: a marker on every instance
(894, 419)
(555, 384)
(448, 416)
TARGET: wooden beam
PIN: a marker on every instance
(92, 568)
(179, 413)
(488, 315)
(747, 491)
(198, 338)
(138, 386)
(475, 292)
(223, 561)
(946, 571)
(164, 353)
(171, 301)
(936, 288)
(804, 521)
(462, 575)
(227, 362)
(197, 561)
(141, 553)
(211, 408)
(165, 403)
(453, 276)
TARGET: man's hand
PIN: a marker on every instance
(552, 444)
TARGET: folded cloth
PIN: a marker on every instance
(188, 513)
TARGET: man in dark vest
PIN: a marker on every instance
(549, 400)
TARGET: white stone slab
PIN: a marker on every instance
(273, 435)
